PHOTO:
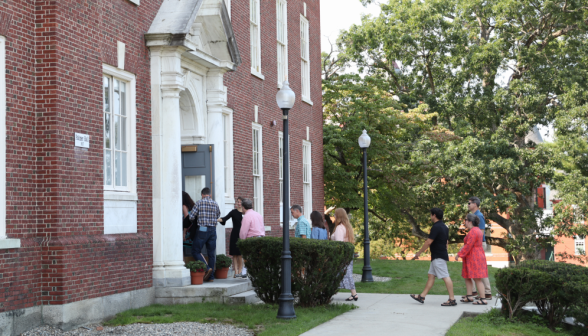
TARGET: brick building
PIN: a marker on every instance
(109, 109)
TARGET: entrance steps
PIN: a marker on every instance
(230, 291)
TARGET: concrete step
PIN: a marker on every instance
(243, 298)
(218, 291)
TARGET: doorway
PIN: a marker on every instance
(197, 173)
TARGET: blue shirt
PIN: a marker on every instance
(318, 233)
(302, 228)
(482, 225)
(207, 211)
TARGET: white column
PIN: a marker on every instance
(216, 96)
(167, 82)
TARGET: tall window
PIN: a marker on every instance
(255, 37)
(580, 244)
(282, 27)
(116, 134)
(257, 170)
(304, 55)
(307, 178)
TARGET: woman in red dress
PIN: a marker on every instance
(474, 259)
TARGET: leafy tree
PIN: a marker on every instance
(475, 79)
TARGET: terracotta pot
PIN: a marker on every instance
(197, 277)
(221, 273)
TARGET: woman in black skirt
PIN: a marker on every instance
(237, 216)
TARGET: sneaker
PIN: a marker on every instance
(207, 274)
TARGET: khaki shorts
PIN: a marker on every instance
(439, 268)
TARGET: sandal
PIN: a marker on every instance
(467, 299)
(473, 294)
(419, 298)
(352, 298)
(449, 303)
(480, 302)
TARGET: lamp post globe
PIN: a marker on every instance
(285, 99)
(366, 276)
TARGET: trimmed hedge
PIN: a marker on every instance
(557, 289)
(318, 266)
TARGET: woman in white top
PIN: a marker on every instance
(344, 232)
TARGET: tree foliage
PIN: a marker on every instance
(453, 120)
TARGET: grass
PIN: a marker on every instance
(260, 318)
(410, 277)
(494, 324)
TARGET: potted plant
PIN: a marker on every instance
(222, 266)
(197, 269)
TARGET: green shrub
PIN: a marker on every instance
(557, 289)
(223, 261)
(196, 266)
(318, 266)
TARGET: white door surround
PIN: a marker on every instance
(191, 45)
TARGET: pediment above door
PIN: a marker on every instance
(203, 27)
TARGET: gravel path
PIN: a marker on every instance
(357, 278)
(169, 329)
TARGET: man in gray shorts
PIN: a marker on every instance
(438, 239)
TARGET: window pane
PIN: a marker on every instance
(107, 127)
(117, 132)
(116, 98)
(124, 169)
(194, 185)
(123, 133)
(106, 84)
(123, 99)
(117, 172)
(108, 167)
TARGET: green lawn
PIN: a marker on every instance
(493, 324)
(410, 276)
(260, 317)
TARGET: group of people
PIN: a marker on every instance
(474, 267)
(201, 218)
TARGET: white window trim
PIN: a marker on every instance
(136, 2)
(5, 242)
(576, 240)
(285, 44)
(258, 127)
(229, 184)
(131, 193)
(256, 72)
(303, 77)
(304, 201)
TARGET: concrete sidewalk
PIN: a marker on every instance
(395, 314)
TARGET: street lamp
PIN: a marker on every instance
(285, 99)
(364, 142)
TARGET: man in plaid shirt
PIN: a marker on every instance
(207, 212)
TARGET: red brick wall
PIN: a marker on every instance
(55, 191)
(246, 90)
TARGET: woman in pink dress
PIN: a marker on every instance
(474, 259)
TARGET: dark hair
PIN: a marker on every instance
(296, 207)
(475, 200)
(187, 200)
(247, 204)
(205, 191)
(474, 219)
(241, 199)
(438, 213)
(317, 219)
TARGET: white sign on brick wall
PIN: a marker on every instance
(82, 140)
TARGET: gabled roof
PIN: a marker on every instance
(176, 18)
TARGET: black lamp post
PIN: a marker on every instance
(364, 142)
(285, 99)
